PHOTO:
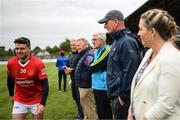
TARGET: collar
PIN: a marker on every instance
(102, 47)
(74, 52)
(117, 34)
(83, 52)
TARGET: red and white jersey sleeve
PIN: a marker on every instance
(41, 71)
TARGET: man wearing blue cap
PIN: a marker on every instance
(123, 61)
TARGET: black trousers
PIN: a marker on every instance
(103, 104)
(60, 74)
(76, 97)
(120, 112)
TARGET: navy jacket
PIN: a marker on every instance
(82, 72)
(124, 59)
(73, 60)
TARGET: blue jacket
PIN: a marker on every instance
(82, 72)
(124, 59)
(61, 62)
(98, 68)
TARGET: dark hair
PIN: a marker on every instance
(162, 22)
(23, 40)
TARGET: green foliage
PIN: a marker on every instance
(65, 45)
(60, 105)
(55, 48)
(4, 55)
(9, 52)
(36, 50)
(53, 51)
(49, 49)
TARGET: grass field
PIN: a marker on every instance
(60, 105)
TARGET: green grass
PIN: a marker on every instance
(60, 105)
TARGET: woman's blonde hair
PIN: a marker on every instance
(162, 22)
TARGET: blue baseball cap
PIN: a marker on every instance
(113, 14)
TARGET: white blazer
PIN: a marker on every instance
(157, 93)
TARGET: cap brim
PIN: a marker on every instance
(102, 21)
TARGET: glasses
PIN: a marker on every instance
(94, 39)
(115, 20)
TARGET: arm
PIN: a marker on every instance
(129, 114)
(88, 60)
(10, 85)
(45, 87)
(100, 65)
(101, 62)
(130, 60)
(45, 92)
(57, 62)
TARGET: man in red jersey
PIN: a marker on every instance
(27, 73)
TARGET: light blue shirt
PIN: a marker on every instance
(99, 78)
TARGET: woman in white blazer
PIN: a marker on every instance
(155, 91)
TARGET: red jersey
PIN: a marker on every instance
(27, 79)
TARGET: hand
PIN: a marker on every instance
(120, 101)
(40, 109)
(129, 114)
(68, 70)
(144, 118)
(12, 100)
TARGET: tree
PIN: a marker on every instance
(5, 55)
(49, 49)
(36, 50)
(65, 45)
(10, 52)
(55, 50)
(2, 52)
